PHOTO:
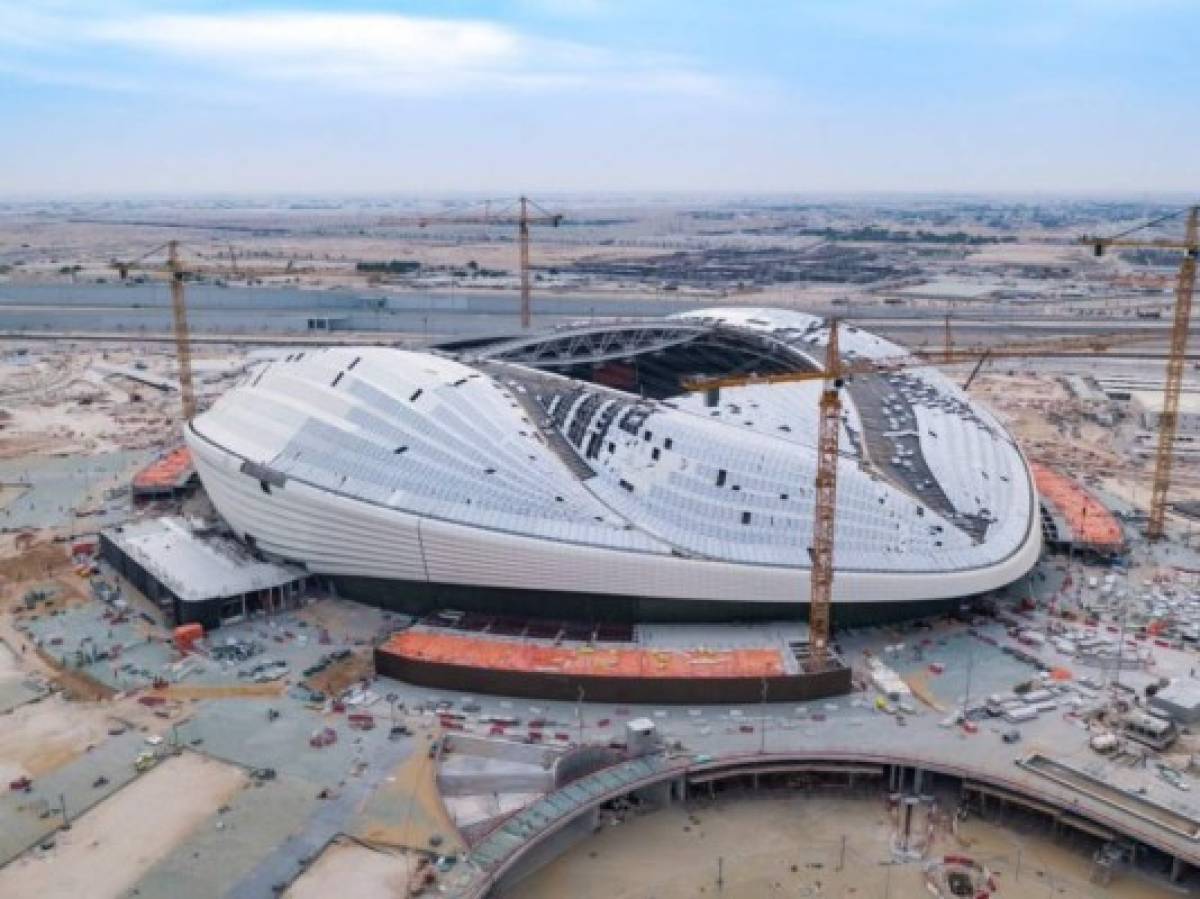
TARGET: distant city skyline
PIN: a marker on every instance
(1091, 97)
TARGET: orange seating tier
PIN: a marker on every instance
(584, 661)
(1090, 521)
(167, 471)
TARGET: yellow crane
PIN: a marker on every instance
(834, 375)
(825, 510)
(183, 345)
(525, 214)
(1185, 287)
(176, 274)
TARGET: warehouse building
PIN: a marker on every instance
(198, 576)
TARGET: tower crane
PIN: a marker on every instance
(1185, 287)
(183, 346)
(525, 214)
(176, 273)
(834, 375)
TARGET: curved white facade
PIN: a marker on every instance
(377, 463)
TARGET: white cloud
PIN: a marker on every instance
(362, 52)
(388, 43)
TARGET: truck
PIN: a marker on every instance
(1020, 714)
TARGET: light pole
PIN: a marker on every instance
(1121, 642)
(970, 672)
(579, 711)
(762, 724)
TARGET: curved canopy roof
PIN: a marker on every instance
(499, 439)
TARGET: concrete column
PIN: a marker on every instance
(658, 794)
(918, 777)
(1177, 868)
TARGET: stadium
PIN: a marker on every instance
(571, 474)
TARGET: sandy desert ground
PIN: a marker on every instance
(43, 736)
(349, 869)
(791, 848)
(109, 848)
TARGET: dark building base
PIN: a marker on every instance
(420, 598)
(571, 688)
(209, 613)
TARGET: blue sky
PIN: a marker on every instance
(1091, 96)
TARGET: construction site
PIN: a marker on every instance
(613, 594)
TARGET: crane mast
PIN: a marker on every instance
(183, 344)
(523, 240)
(834, 373)
(825, 511)
(1168, 420)
(176, 273)
(526, 213)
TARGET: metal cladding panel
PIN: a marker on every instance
(336, 535)
(330, 534)
(460, 555)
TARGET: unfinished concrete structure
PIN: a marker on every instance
(197, 576)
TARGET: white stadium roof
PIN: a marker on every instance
(929, 481)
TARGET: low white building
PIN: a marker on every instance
(1148, 405)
